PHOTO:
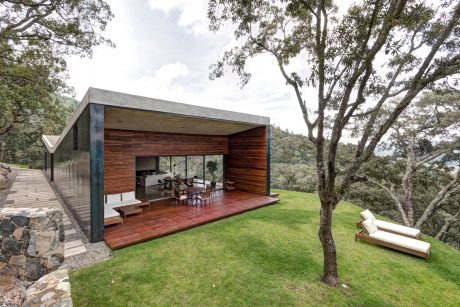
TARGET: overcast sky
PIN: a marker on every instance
(164, 49)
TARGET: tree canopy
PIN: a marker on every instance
(357, 61)
(35, 38)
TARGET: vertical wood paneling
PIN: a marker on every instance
(247, 160)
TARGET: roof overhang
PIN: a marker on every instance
(141, 120)
(50, 141)
(132, 112)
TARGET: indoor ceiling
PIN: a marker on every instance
(131, 119)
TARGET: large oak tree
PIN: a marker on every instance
(356, 61)
(35, 38)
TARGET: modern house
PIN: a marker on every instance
(115, 141)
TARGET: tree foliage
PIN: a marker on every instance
(35, 37)
(423, 136)
(357, 61)
(24, 144)
(387, 169)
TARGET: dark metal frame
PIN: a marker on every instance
(96, 128)
(46, 160)
(51, 167)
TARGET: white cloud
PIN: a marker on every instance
(193, 14)
(167, 73)
(158, 55)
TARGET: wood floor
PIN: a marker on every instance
(164, 218)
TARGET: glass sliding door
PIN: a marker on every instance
(219, 173)
(178, 166)
(195, 168)
(165, 164)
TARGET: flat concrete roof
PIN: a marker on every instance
(234, 121)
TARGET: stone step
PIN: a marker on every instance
(70, 232)
(74, 251)
(72, 244)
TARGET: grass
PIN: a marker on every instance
(268, 257)
(17, 165)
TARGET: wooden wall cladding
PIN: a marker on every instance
(247, 160)
(122, 146)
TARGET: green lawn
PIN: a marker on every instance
(17, 165)
(270, 256)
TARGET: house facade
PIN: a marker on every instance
(116, 142)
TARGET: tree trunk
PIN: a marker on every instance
(408, 181)
(395, 198)
(330, 275)
(445, 228)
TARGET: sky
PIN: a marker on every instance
(164, 50)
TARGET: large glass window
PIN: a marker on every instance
(218, 173)
(191, 166)
(165, 165)
(195, 167)
(178, 166)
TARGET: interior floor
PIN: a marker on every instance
(153, 192)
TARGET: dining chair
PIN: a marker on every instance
(204, 197)
(229, 185)
(160, 185)
(179, 197)
(209, 188)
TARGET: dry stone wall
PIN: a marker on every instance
(31, 242)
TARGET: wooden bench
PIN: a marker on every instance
(113, 220)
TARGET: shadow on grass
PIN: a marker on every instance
(282, 259)
(447, 262)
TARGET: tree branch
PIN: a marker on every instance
(396, 201)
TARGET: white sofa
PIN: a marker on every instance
(112, 201)
(153, 179)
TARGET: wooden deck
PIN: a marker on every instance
(164, 218)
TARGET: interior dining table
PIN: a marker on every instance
(169, 182)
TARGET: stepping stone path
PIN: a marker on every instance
(30, 189)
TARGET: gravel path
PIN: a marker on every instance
(31, 188)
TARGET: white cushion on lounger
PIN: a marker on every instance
(409, 243)
(367, 214)
(113, 199)
(109, 212)
(383, 225)
(370, 226)
(128, 196)
(128, 202)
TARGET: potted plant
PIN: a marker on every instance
(211, 165)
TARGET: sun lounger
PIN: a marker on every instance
(390, 227)
(371, 233)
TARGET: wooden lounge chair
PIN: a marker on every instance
(390, 227)
(371, 234)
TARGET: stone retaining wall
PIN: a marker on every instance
(50, 290)
(31, 242)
